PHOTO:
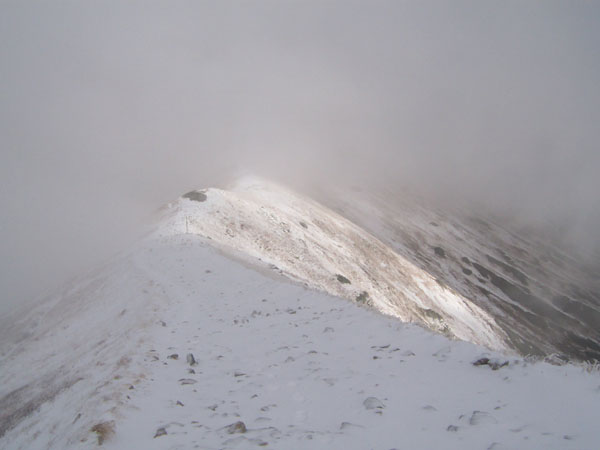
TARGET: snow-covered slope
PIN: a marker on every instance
(546, 301)
(313, 244)
(298, 368)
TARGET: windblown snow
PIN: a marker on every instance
(313, 244)
(178, 344)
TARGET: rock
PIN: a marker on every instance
(497, 364)
(179, 403)
(494, 363)
(160, 432)
(452, 428)
(195, 196)
(342, 279)
(183, 381)
(439, 251)
(481, 362)
(237, 427)
(173, 356)
(373, 403)
(190, 359)
(363, 297)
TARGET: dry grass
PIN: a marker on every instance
(104, 430)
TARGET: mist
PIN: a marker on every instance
(109, 110)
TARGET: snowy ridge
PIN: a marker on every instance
(107, 360)
(310, 243)
(299, 369)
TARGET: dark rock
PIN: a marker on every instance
(494, 364)
(184, 381)
(160, 432)
(482, 362)
(363, 297)
(191, 360)
(452, 428)
(439, 251)
(173, 356)
(195, 196)
(342, 279)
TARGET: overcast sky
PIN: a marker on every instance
(110, 109)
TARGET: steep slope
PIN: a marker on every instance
(297, 368)
(543, 299)
(313, 244)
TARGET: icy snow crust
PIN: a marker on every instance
(313, 244)
(300, 368)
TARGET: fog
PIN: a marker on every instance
(108, 110)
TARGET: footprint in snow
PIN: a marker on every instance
(373, 403)
(482, 418)
(262, 419)
(349, 425)
(443, 353)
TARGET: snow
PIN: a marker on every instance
(313, 244)
(299, 367)
(548, 301)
